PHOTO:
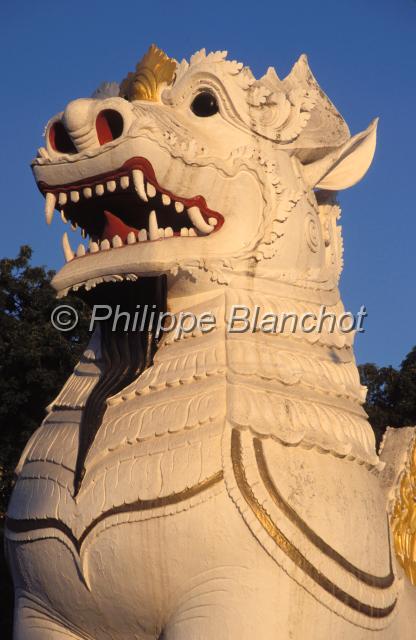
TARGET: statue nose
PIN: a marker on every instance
(78, 120)
(83, 127)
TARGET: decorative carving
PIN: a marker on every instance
(374, 581)
(329, 214)
(295, 555)
(403, 518)
(29, 526)
(312, 232)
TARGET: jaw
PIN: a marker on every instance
(146, 215)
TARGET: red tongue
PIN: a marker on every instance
(115, 227)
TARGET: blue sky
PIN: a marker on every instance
(363, 53)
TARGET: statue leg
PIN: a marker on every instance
(225, 586)
(228, 603)
(33, 623)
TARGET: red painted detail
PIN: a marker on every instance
(116, 227)
(109, 125)
(59, 139)
(103, 129)
(148, 172)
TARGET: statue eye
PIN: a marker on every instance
(204, 105)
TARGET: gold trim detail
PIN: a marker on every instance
(403, 519)
(154, 71)
(23, 526)
(288, 548)
(380, 582)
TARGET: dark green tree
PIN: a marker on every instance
(406, 391)
(391, 397)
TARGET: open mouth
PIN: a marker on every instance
(124, 207)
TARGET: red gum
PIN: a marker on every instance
(147, 169)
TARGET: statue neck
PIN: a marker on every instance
(301, 387)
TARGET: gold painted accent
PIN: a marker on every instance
(403, 519)
(380, 582)
(154, 71)
(22, 526)
(288, 548)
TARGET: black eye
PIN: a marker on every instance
(205, 104)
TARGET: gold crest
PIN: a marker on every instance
(154, 71)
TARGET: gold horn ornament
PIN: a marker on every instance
(154, 71)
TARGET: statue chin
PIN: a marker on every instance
(209, 483)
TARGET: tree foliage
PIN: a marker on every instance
(391, 396)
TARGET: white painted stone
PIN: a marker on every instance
(233, 489)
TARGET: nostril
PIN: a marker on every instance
(109, 125)
(60, 140)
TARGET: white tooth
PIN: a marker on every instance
(62, 198)
(50, 201)
(153, 228)
(142, 235)
(150, 189)
(165, 199)
(111, 185)
(87, 192)
(68, 253)
(105, 245)
(117, 242)
(131, 238)
(124, 182)
(93, 247)
(184, 231)
(74, 196)
(192, 232)
(161, 233)
(179, 207)
(63, 217)
(138, 181)
(80, 251)
(213, 221)
(99, 189)
(198, 221)
(74, 226)
(83, 233)
(168, 232)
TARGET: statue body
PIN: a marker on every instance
(210, 484)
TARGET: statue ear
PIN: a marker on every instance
(346, 165)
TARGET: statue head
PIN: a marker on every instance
(201, 172)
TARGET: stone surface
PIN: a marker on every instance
(232, 488)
